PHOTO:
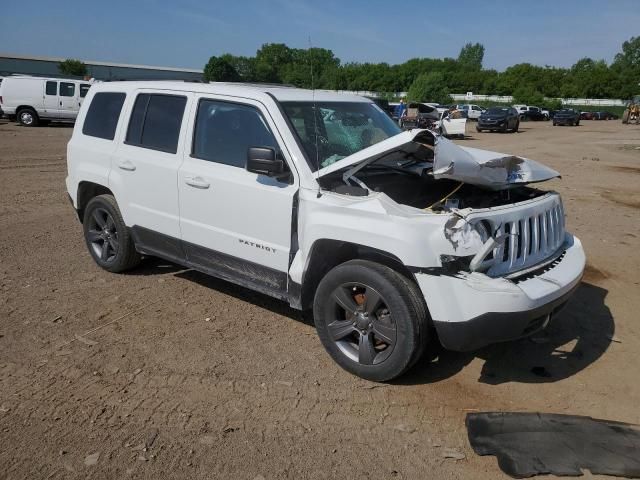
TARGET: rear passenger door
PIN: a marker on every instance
(145, 169)
(235, 224)
(68, 100)
(51, 102)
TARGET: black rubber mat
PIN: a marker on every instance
(528, 444)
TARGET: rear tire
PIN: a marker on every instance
(28, 117)
(107, 237)
(515, 129)
(370, 319)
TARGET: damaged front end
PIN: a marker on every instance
(505, 242)
(499, 262)
(498, 224)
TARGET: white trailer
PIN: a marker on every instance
(31, 100)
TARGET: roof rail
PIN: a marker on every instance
(259, 84)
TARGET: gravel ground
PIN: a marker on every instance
(185, 376)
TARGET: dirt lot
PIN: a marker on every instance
(227, 383)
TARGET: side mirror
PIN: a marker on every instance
(263, 161)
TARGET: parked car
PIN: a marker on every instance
(1, 111)
(604, 116)
(586, 115)
(473, 111)
(567, 116)
(320, 200)
(533, 113)
(523, 111)
(419, 115)
(441, 108)
(503, 119)
(31, 100)
(451, 127)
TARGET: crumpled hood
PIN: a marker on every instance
(485, 168)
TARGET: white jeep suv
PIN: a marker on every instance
(318, 199)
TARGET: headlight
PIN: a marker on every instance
(483, 227)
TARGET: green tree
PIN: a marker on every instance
(626, 69)
(218, 69)
(471, 56)
(429, 87)
(245, 67)
(271, 60)
(528, 96)
(72, 67)
(630, 55)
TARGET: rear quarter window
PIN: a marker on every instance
(103, 114)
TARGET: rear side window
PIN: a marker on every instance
(102, 117)
(155, 122)
(225, 131)
(67, 89)
(84, 88)
(52, 88)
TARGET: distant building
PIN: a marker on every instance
(48, 67)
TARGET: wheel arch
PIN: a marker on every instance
(326, 254)
(26, 107)
(86, 191)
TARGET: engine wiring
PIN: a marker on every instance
(444, 199)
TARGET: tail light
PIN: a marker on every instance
(0, 99)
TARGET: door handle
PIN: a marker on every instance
(127, 165)
(196, 182)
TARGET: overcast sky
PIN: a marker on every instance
(186, 33)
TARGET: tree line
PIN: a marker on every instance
(434, 79)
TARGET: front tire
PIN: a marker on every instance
(28, 117)
(370, 319)
(107, 237)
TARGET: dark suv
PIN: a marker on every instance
(504, 119)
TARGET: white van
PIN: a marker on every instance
(31, 100)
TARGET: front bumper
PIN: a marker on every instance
(491, 124)
(565, 121)
(472, 310)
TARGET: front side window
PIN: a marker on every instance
(103, 114)
(225, 131)
(155, 122)
(51, 88)
(84, 88)
(67, 89)
(341, 128)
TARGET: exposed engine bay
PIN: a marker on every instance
(421, 190)
(429, 172)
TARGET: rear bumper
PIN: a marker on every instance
(472, 310)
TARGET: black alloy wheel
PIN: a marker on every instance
(102, 235)
(107, 236)
(370, 319)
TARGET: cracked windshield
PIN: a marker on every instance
(343, 128)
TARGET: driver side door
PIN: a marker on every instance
(235, 224)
